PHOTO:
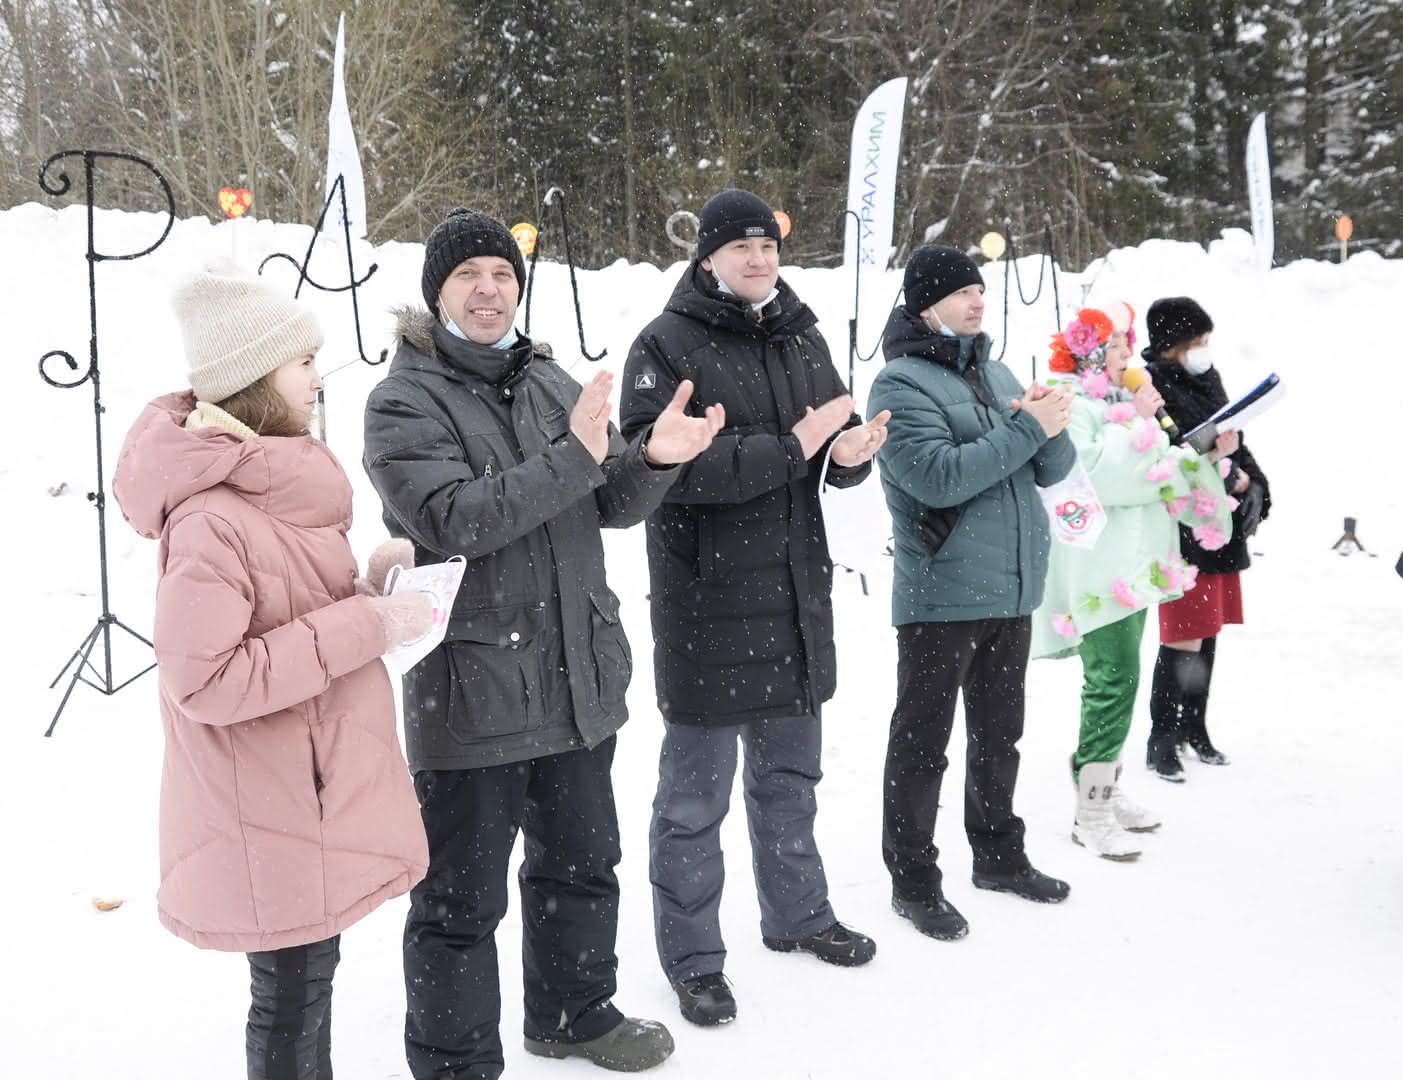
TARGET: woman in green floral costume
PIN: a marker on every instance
(1098, 594)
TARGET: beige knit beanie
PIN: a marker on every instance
(238, 329)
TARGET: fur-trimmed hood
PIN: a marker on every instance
(415, 325)
(426, 345)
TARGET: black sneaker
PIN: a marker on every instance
(707, 1000)
(634, 1045)
(935, 918)
(839, 944)
(1028, 883)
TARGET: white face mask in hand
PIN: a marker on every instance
(1198, 360)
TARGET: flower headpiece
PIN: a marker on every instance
(1083, 343)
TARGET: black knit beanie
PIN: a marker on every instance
(933, 273)
(734, 214)
(462, 235)
(1173, 321)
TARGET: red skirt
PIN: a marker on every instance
(1215, 601)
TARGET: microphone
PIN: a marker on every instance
(1134, 378)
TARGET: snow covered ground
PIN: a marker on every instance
(1259, 935)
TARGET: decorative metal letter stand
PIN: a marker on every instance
(80, 663)
(338, 190)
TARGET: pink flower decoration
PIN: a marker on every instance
(1123, 593)
(1188, 576)
(1096, 383)
(1119, 413)
(1233, 504)
(1176, 507)
(1210, 537)
(1161, 471)
(1146, 438)
(1080, 337)
(1224, 467)
(1205, 503)
(1063, 625)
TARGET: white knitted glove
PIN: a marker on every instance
(389, 554)
(404, 617)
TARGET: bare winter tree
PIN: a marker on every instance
(217, 93)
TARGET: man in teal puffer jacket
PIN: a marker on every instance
(965, 454)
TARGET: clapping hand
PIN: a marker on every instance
(821, 424)
(859, 444)
(1051, 407)
(589, 420)
(677, 437)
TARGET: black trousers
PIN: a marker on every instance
(987, 661)
(564, 804)
(289, 1022)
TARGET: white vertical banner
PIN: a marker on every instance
(342, 156)
(875, 157)
(856, 518)
(1259, 191)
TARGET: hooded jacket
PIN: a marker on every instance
(961, 465)
(737, 555)
(470, 450)
(287, 812)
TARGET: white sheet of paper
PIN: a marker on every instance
(440, 580)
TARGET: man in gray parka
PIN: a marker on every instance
(480, 446)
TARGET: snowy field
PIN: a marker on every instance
(1259, 935)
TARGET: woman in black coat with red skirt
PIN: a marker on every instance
(1179, 362)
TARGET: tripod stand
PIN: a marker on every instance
(81, 663)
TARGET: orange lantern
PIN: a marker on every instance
(784, 223)
(235, 201)
(524, 233)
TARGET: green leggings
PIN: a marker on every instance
(1110, 660)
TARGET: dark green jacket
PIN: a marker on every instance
(470, 450)
(960, 470)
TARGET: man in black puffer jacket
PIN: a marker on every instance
(742, 617)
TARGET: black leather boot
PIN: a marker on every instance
(1166, 704)
(1194, 730)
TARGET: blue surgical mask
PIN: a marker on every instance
(508, 339)
(726, 290)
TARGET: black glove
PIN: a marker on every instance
(1248, 514)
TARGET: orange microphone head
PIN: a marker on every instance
(1132, 378)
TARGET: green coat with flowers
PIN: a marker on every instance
(1147, 488)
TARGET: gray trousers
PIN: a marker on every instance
(686, 866)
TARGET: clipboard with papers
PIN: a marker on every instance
(1235, 414)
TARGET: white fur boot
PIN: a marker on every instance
(1131, 815)
(1096, 827)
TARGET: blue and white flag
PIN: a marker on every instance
(876, 156)
(342, 156)
(1259, 192)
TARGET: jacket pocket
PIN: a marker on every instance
(493, 674)
(613, 659)
(936, 525)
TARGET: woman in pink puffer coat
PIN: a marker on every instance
(287, 811)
